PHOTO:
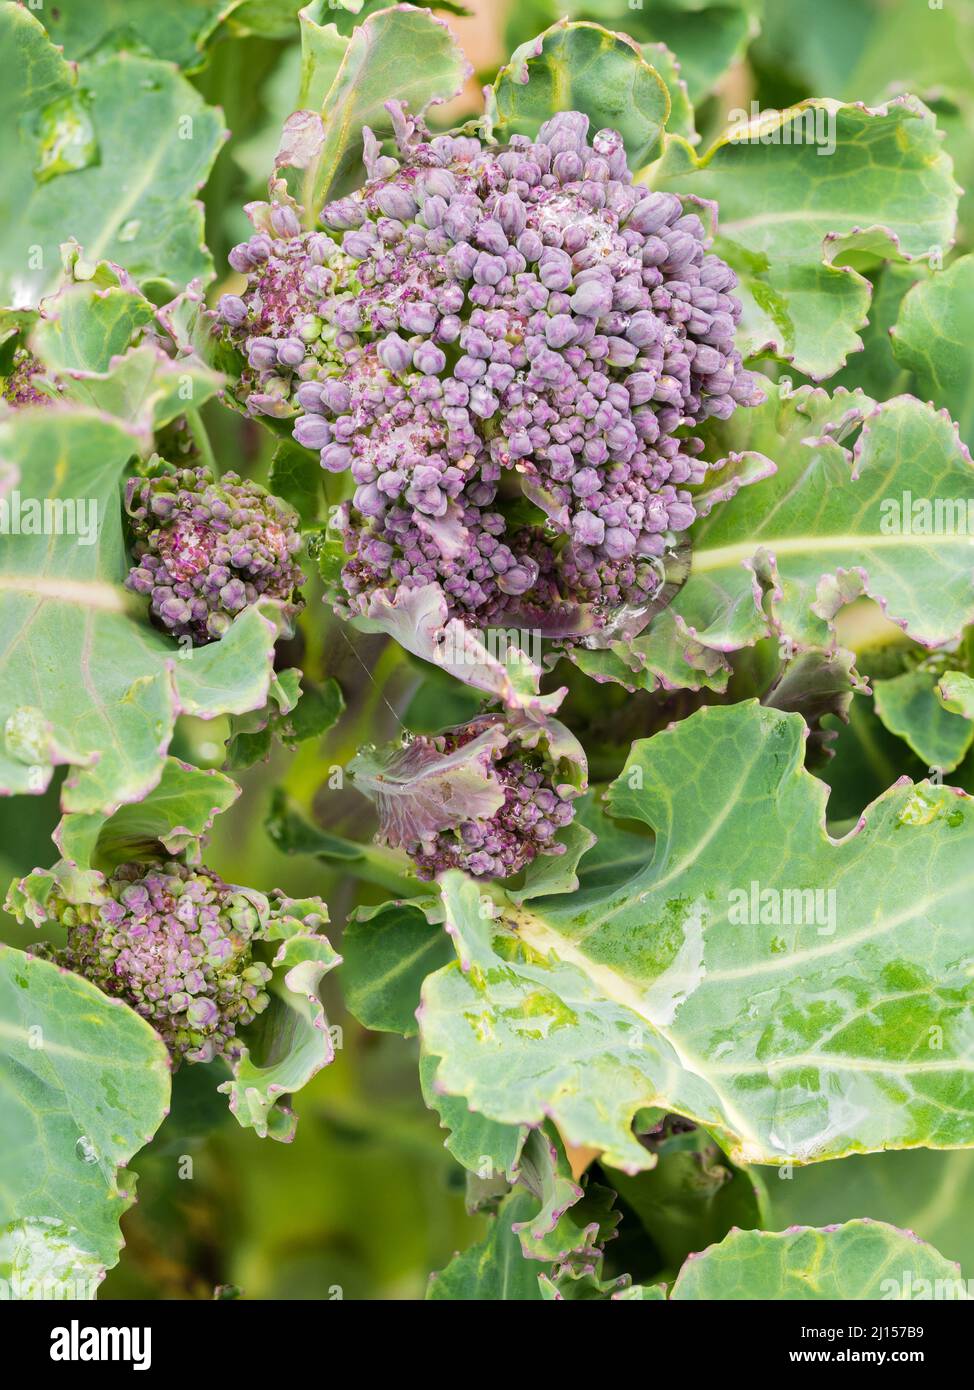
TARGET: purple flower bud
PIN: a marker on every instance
(343, 214)
(285, 222)
(588, 529)
(560, 331)
(511, 214)
(519, 578)
(654, 212)
(429, 358)
(619, 543)
(186, 966)
(681, 515)
(359, 243)
(291, 352)
(312, 431)
(395, 354)
(336, 458)
(566, 130)
(589, 325)
(555, 269)
(262, 352)
(418, 317)
(309, 396)
(448, 329)
(489, 270)
(240, 259)
(645, 329)
(641, 386)
(396, 202)
(592, 299)
(232, 309)
(490, 235)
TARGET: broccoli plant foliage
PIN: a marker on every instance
(532, 545)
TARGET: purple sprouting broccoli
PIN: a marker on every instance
(205, 549)
(175, 943)
(485, 327)
(488, 796)
(19, 387)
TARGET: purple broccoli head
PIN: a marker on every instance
(204, 550)
(175, 943)
(18, 387)
(488, 796)
(499, 343)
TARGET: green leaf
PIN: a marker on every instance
(290, 1041)
(292, 833)
(296, 476)
(556, 873)
(85, 1083)
(122, 145)
(291, 714)
(619, 850)
(480, 1145)
(573, 1222)
(177, 30)
(559, 1226)
(641, 1293)
(785, 555)
(386, 959)
(86, 324)
(738, 979)
(867, 759)
(876, 369)
(63, 609)
(956, 690)
(582, 67)
(924, 1191)
(858, 1261)
(88, 338)
(251, 737)
(814, 684)
(681, 119)
(931, 338)
(174, 815)
(323, 48)
(400, 54)
(275, 19)
(867, 51)
(706, 37)
(495, 1269)
(39, 1259)
(791, 215)
(909, 707)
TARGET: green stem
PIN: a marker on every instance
(202, 438)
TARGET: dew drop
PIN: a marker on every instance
(85, 1150)
(66, 138)
(129, 230)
